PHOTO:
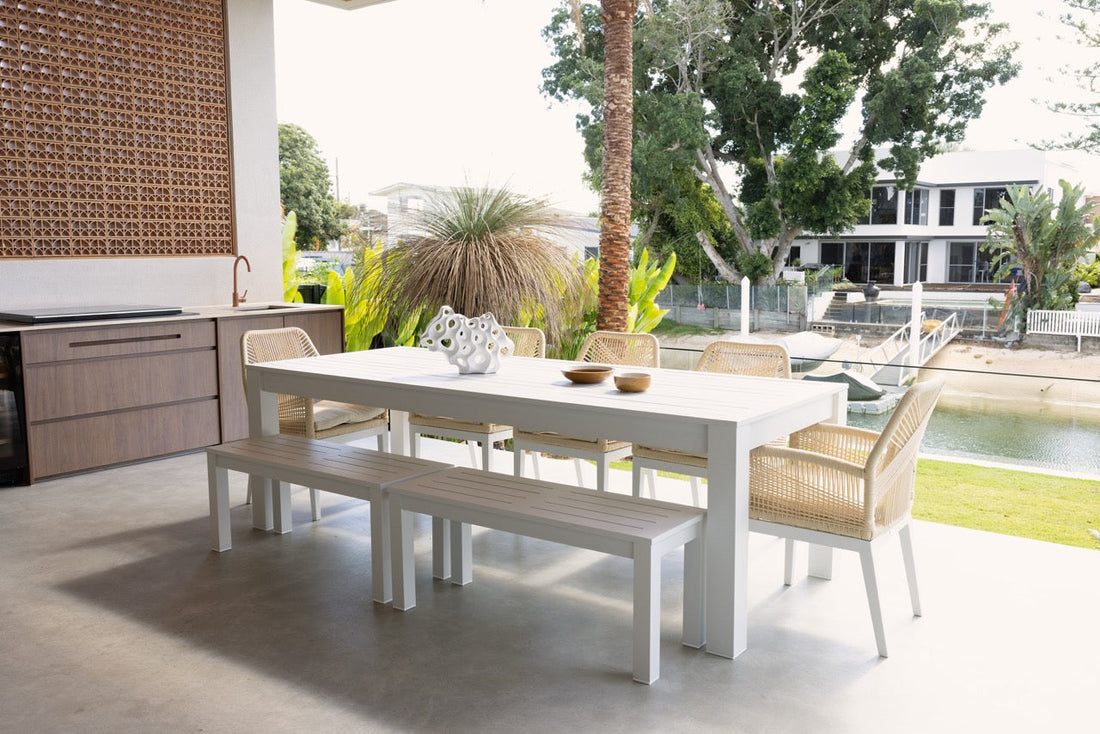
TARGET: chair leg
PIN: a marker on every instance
(910, 567)
(470, 445)
(788, 561)
(315, 504)
(580, 477)
(694, 489)
(383, 439)
(414, 445)
(487, 454)
(535, 464)
(867, 559)
(603, 473)
(517, 461)
(651, 480)
(635, 478)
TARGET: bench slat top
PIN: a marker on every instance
(326, 459)
(561, 505)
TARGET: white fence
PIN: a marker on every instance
(1064, 323)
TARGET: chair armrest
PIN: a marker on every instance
(841, 442)
(810, 490)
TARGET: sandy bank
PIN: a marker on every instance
(1016, 379)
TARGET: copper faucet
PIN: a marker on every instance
(239, 299)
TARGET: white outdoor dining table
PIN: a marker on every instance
(724, 416)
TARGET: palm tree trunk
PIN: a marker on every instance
(617, 17)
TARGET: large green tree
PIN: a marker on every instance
(742, 104)
(1083, 18)
(305, 186)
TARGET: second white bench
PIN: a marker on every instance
(348, 470)
(641, 529)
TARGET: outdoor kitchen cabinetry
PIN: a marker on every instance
(325, 329)
(98, 396)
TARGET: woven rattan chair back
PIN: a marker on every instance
(270, 345)
(616, 347)
(745, 358)
(889, 464)
(529, 341)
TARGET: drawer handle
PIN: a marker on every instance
(126, 340)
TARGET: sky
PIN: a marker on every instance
(446, 92)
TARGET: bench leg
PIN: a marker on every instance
(441, 548)
(695, 623)
(259, 490)
(218, 478)
(281, 507)
(401, 553)
(381, 576)
(461, 552)
(647, 600)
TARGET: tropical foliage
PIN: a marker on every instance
(739, 108)
(290, 256)
(1044, 240)
(645, 281)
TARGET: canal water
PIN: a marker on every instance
(1065, 443)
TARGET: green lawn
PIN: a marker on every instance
(1037, 506)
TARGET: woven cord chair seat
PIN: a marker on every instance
(570, 442)
(438, 421)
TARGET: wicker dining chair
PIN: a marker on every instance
(729, 357)
(529, 342)
(302, 416)
(602, 347)
(846, 488)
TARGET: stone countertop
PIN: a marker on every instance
(190, 313)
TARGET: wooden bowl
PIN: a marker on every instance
(587, 374)
(632, 381)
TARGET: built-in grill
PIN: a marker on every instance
(86, 313)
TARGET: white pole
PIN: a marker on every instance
(915, 327)
(745, 306)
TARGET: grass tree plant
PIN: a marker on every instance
(479, 250)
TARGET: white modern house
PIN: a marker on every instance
(933, 233)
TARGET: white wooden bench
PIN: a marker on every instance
(641, 529)
(348, 470)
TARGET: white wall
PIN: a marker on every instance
(191, 281)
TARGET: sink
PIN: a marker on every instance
(264, 307)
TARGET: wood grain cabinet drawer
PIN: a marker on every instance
(116, 341)
(63, 447)
(63, 389)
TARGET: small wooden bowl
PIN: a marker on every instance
(587, 374)
(632, 381)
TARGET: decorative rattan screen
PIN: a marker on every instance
(115, 137)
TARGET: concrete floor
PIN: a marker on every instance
(115, 616)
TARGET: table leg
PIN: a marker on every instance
(727, 543)
(399, 432)
(821, 556)
(263, 420)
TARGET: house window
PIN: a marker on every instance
(962, 259)
(985, 199)
(861, 261)
(947, 207)
(916, 207)
(884, 206)
(916, 261)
